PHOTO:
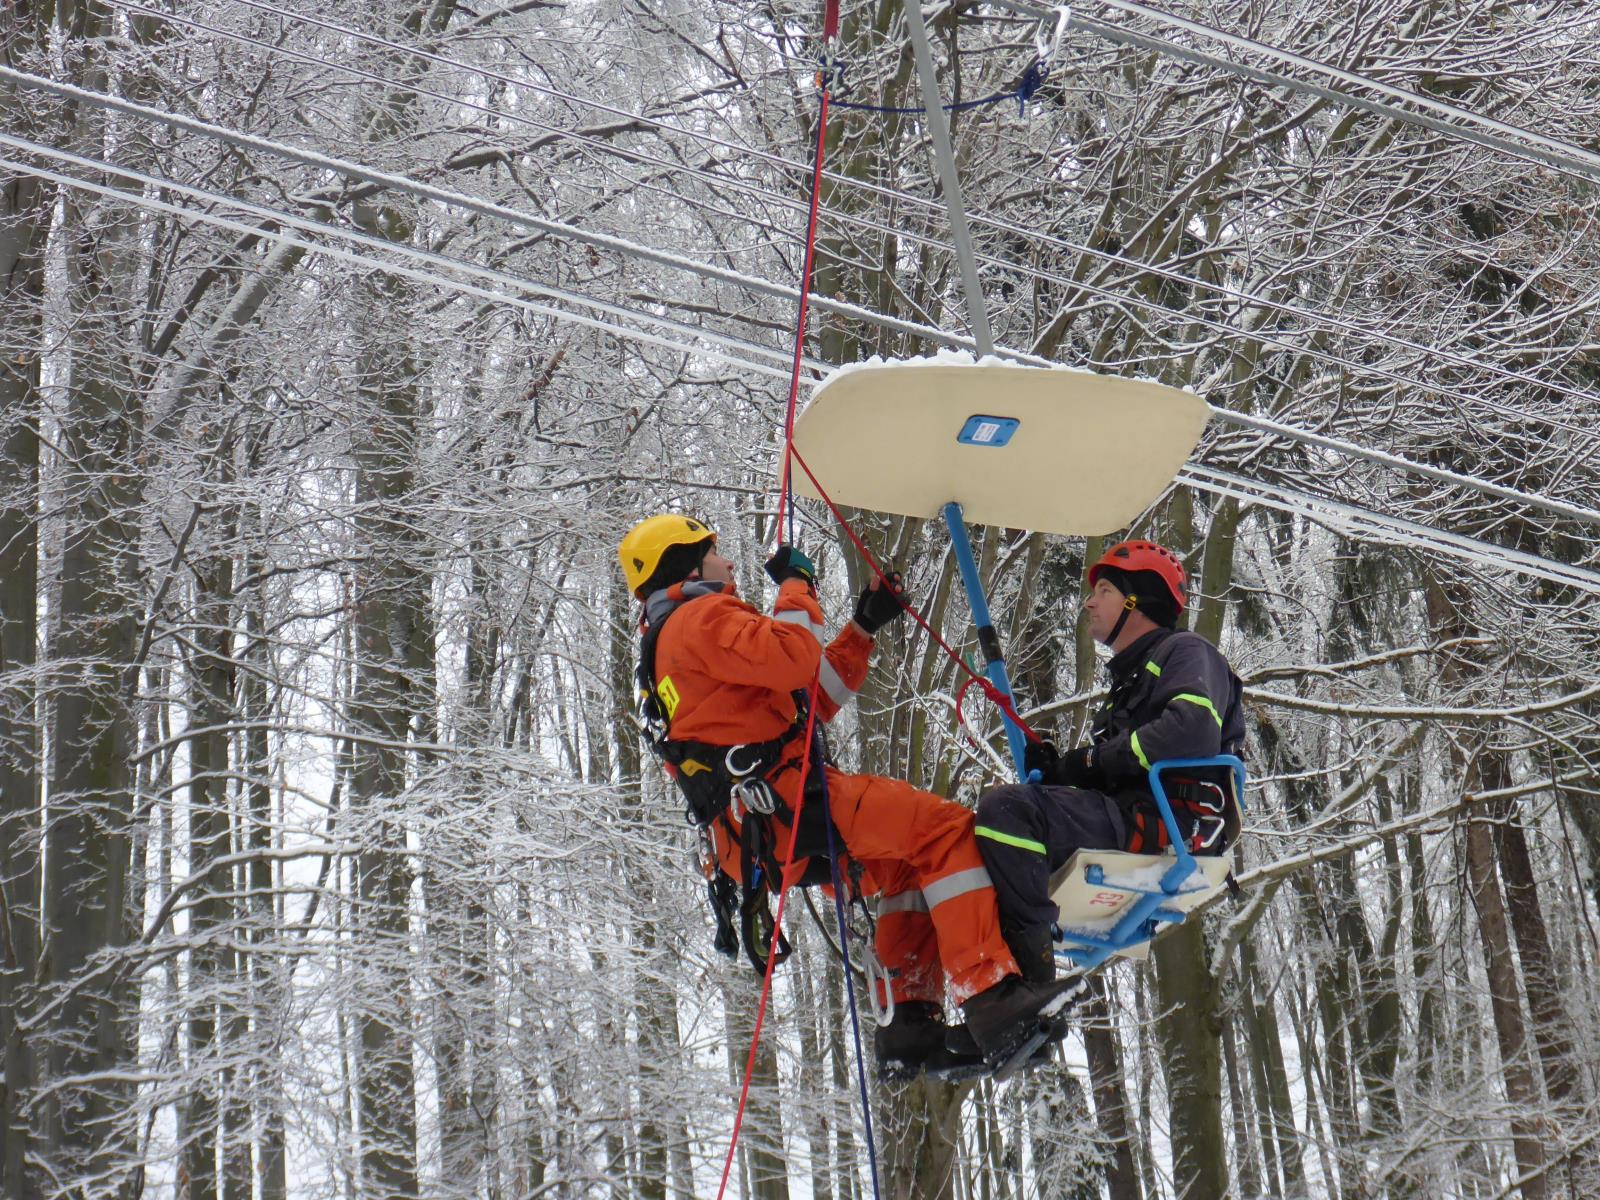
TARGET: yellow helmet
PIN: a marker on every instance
(646, 542)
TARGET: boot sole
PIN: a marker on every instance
(1049, 1025)
(1004, 1066)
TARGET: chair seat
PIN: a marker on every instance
(1093, 909)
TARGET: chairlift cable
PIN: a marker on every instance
(1381, 526)
(1319, 319)
(1386, 526)
(1462, 123)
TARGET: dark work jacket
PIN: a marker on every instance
(1172, 695)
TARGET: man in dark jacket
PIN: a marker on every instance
(1172, 695)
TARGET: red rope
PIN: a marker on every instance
(830, 32)
(772, 949)
(999, 698)
(830, 29)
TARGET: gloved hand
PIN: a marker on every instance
(1080, 768)
(788, 563)
(879, 603)
(1042, 757)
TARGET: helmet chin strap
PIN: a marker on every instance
(1129, 603)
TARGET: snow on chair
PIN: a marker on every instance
(1115, 903)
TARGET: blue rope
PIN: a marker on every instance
(1027, 87)
(849, 982)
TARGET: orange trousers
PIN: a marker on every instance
(937, 914)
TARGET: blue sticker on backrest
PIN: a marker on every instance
(981, 430)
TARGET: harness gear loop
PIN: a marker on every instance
(756, 796)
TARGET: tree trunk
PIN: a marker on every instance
(1189, 1028)
(211, 983)
(1552, 1027)
(24, 219)
(267, 975)
(89, 1036)
(1110, 1106)
(1522, 1089)
(390, 609)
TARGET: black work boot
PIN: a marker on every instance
(913, 1042)
(1001, 1018)
(1034, 948)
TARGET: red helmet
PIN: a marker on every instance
(1145, 556)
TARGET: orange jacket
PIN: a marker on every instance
(726, 673)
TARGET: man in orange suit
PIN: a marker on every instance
(726, 686)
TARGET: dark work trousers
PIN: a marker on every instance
(1026, 831)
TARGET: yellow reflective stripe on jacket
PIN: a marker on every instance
(1153, 669)
(1138, 750)
(1203, 703)
(1010, 839)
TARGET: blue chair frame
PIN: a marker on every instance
(1148, 910)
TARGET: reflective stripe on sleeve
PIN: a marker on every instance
(1138, 750)
(1203, 703)
(800, 617)
(973, 879)
(1153, 669)
(1009, 839)
(838, 690)
(912, 901)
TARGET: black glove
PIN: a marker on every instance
(1076, 768)
(1041, 757)
(788, 563)
(1080, 768)
(879, 603)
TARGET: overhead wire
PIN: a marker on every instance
(563, 229)
(1222, 327)
(469, 203)
(152, 203)
(1381, 526)
(626, 247)
(1312, 317)
(1387, 528)
(1482, 130)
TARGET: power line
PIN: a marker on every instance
(625, 247)
(1364, 522)
(1350, 450)
(1211, 479)
(461, 200)
(720, 180)
(903, 197)
(154, 204)
(417, 253)
(1489, 132)
(1481, 130)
